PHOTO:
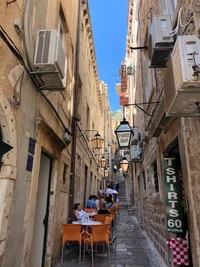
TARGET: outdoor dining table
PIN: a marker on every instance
(91, 214)
(89, 223)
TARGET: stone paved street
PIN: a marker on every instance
(131, 247)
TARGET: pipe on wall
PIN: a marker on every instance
(28, 37)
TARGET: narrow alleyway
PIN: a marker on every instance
(131, 247)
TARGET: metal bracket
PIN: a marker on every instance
(38, 73)
(42, 72)
(139, 48)
(144, 103)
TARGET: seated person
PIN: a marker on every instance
(103, 209)
(91, 202)
(115, 198)
(108, 191)
(109, 204)
(101, 192)
(97, 202)
(78, 212)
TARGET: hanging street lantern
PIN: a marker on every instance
(97, 141)
(124, 164)
(124, 134)
(106, 172)
(106, 154)
(103, 162)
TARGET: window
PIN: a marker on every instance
(91, 183)
(168, 7)
(85, 186)
(65, 175)
(144, 180)
(88, 121)
(148, 81)
(62, 27)
(155, 174)
(172, 7)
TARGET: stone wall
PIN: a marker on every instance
(34, 117)
(148, 86)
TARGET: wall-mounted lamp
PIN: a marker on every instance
(103, 162)
(67, 137)
(124, 164)
(124, 133)
(106, 154)
(106, 172)
(97, 141)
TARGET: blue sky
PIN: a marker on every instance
(109, 25)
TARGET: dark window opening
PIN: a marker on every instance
(65, 175)
(144, 181)
(155, 174)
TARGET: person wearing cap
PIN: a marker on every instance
(115, 198)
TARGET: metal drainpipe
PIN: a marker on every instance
(74, 119)
(28, 38)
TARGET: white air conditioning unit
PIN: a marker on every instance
(182, 78)
(50, 60)
(135, 137)
(160, 42)
(136, 152)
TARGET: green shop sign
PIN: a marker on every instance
(172, 196)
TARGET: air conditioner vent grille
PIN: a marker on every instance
(50, 57)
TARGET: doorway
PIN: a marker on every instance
(41, 215)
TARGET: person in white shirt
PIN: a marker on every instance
(108, 191)
(101, 192)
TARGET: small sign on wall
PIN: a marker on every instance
(31, 147)
(172, 196)
(29, 165)
(31, 152)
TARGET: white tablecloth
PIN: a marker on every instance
(87, 223)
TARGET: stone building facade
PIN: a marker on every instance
(161, 135)
(36, 174)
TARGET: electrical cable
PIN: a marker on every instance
(179, 22)
(12, 47)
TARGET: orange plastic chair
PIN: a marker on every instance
(108, 220)
(72, 232)
(90, 210)
(112, 212)
(116, 206)
(100, 233)
(100, 217)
